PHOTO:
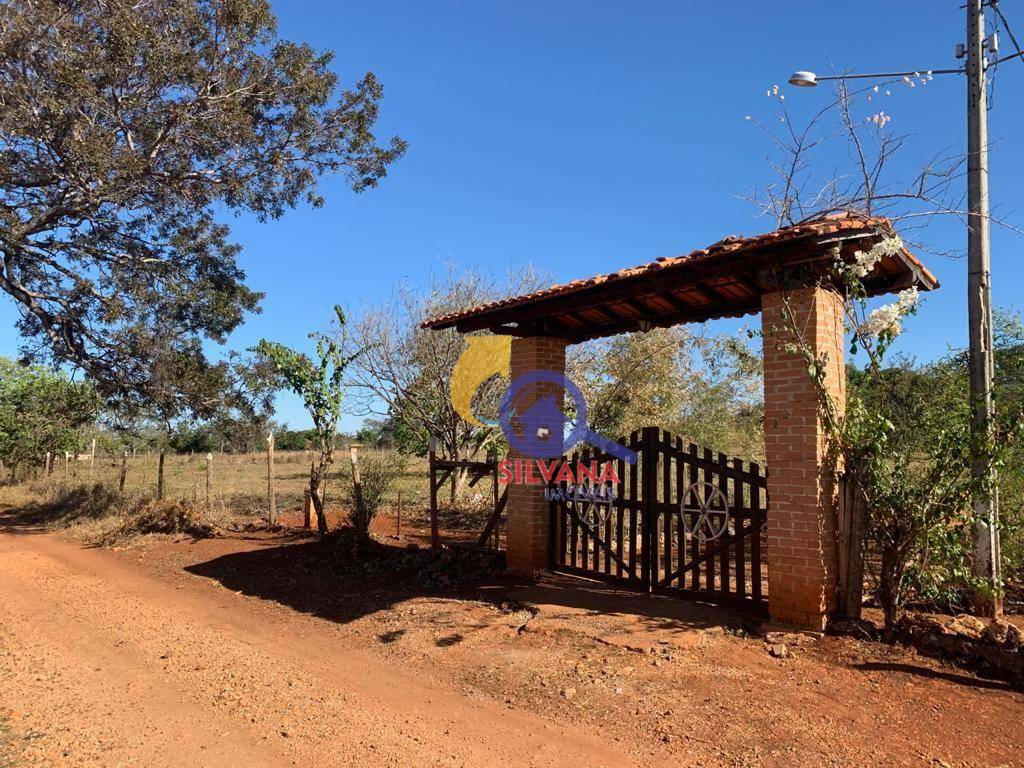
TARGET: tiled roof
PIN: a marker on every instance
(836, 224)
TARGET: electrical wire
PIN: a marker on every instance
(1006, 26)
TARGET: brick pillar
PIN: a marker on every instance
(802, 549)
(528, 510)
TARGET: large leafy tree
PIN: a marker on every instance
(124, 127)
(701, 386)
(41, 411)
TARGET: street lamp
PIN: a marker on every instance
(979, 304)
(805, 79)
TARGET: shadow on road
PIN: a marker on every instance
(340, 583)
(935, 674)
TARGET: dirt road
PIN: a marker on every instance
(107, 667)
(253, 651)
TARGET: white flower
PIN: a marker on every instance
(880, 118)
(907, 299)
(865, 261)
(886, 319)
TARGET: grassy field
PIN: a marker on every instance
(240, 480)
(83, 501)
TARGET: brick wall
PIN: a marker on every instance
(802, 554)
(528, 511)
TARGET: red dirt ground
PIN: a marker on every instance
(255, 650)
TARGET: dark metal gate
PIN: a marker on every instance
(683, 521)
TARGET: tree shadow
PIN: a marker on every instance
(331, 582)
(936, 674)
(71, 504)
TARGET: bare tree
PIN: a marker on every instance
(870, 176)
(404, 371)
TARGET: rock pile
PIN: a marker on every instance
(996, 646)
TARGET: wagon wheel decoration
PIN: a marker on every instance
(590, 511)
(710, 513)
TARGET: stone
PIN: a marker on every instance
(971, 626)
(996, 632)
(1014, 638)
(778, 650)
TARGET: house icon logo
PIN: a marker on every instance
(539, 429)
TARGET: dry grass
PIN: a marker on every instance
(98, 515)
(238, 481)
(87, 505)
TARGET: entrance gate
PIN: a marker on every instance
(683, 521)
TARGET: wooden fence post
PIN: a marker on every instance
(357, 486)
(124, 471)
(49, 463)
(92, 460)
(160, 476)
(271, 495)
(852, 518)
(435, 536)
(492, 458)
(209, 477)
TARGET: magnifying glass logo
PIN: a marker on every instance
(539, 431)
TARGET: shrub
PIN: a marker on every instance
(379, 474)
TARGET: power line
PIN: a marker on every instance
(1006, 26)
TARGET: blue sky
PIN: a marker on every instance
(587, 136)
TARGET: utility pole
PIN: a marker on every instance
(979, 312)
(985, 497)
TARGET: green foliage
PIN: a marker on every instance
(321, 385)
(193, 439)
(706, 388)
(924, 403)
(125, 128)
(40, 411)
(903, 442)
